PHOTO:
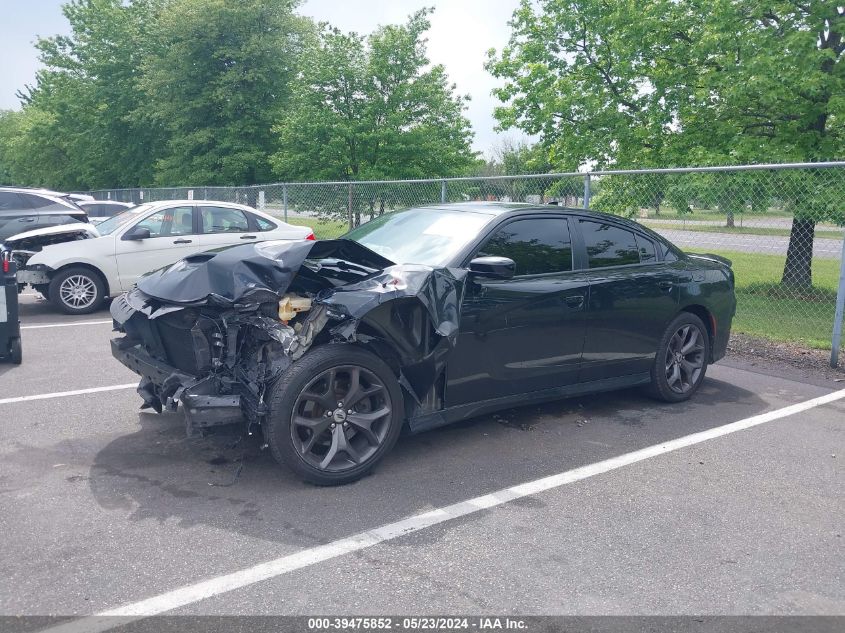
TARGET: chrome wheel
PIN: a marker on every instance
(341, 418)
(685, 358)
(78, 291)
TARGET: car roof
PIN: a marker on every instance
(497, 209)
(35, 190)
(500, 208)
(193, 202)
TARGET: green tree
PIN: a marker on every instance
(371, 108)
(649, 83)
(216, 81)
(513, 158)
(78, 128)
(10, 121)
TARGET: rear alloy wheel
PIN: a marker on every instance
(77, 291)
(334, 414)
(681, 360)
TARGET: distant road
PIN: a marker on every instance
(756, 222)
(769, 244)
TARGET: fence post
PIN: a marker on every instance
(285, 200)
(586, 191)
(836, 340)
(443, 191)
(349, 207)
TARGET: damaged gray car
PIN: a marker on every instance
(420, 317)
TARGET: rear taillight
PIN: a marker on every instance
(311, 236)
(6, 266)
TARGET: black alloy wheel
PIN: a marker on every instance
(334, 414)
(680, 363)
(341, 418)
(684, 358)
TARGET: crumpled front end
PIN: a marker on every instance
(214, 331)
(25, 245)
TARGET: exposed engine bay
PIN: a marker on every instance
(213, 331)
(25, 245)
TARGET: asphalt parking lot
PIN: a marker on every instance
(103, 506)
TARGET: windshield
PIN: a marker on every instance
(116, 221)
(420, 236)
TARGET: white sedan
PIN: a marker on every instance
(76, 266)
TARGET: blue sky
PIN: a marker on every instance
(462, 30)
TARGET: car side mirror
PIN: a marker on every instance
(493, 267)
(137, 233)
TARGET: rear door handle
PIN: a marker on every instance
(575, 301)
(665, 285)
(182, 241)
(247, 237)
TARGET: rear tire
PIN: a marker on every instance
(15, 351)
(77, 290)
(334, 414)
(681, 360)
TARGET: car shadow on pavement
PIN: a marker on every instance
(36, 309)
(229, 482)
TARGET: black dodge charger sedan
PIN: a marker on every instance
(420, 317)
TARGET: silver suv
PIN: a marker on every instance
(24, 209)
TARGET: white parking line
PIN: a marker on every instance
(271, 569)
(62, 394)
(44, 325)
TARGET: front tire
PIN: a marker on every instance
(77, 290)
(334, 414)
(681, 360)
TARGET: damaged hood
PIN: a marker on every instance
(37, 238)
(260, 272)
(358, 296)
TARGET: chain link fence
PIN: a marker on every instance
(781, 225)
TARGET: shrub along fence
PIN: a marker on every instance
(781, 225)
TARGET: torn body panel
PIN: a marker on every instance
(215, 330)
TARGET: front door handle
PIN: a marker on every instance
(247, 237)
(575, 301)
(665, 285)
(182, 241)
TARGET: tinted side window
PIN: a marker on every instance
(55, 219)
(10, 201)
(647, 250)
(537, 246)
(608, 245)
(223, 220)
(42, 204)
(108, 210)
(14, 223)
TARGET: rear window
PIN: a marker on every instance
(223, 220)
(263, 225)
(609, 245)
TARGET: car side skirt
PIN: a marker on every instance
(449, 415)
